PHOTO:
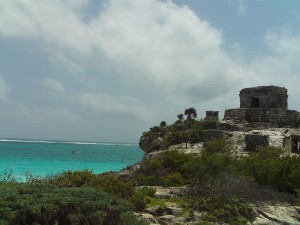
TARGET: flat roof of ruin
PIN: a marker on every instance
(264, 90)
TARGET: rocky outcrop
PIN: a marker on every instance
(173, 213)
(148, 144)
(277, 215)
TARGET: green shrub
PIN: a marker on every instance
(217, 146)
(205, 222)
(107, 182)
(148, 180)
(173, 180)
(172, 138)
(223, 176)
(170, 168)
(141, 198)
(234, 211)
(23, 204)
(210, 124)
(7, 176)
(72, 178)
(112, 184)
(268, 167)
(175, 161)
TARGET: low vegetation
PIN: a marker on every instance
(43, 203)
(223, 185)
(217, 182)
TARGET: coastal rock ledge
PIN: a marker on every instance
(267, 214)
(263, 119)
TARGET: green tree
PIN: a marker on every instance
(180, 117)
(191, 113)
(163, 124)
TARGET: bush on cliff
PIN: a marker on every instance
(107, 182)
(223, 184)
(189, 130)
(268, 166)
(142, 197)
(23, 204)
(171, 168)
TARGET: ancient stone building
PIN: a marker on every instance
(254, 141)
(212, 115)
(213, 134)
(295, 143)
(264, 97)
(264, 104)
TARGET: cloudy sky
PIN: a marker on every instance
(107, 70)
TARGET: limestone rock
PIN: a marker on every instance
(154, 210)
(167, 219)
(277, 214)
(148, 217)
(168, 192)
(191, 148)
(147, 144)
(173, 208)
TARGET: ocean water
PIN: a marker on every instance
(41, 158)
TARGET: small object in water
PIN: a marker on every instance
(76, 151)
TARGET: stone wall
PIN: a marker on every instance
(278, 116)
(254, 141)
(264, 97)
(212, 115)
(212, 134)
(238, 115)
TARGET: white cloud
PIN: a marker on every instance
(4, 90)
(242, 8)
(110, 106)
(151, 44)
(164, 52)
(62, 115)
(61, 61)
(168, 57)
(54, 86)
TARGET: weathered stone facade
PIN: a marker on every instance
(254, 141)
(265, 104)
(264, 97)
(295, 148)
(213, 134)
(276, 116)
(212, 115)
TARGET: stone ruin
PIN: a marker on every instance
(264, 104)
(212, 115)
(264, 107)
(261, 108)
(254, 141)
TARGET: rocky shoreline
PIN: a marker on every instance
(172, 213)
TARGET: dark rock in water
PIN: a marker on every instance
(76, 151)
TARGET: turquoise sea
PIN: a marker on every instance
(41, 158)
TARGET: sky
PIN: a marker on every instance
(108, 70)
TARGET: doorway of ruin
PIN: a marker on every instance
(255, 102)
(295, 148)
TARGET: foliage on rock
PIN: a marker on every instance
(171, 168)
(107, 182)
(187, 130)
(23, 204)
(268, 166)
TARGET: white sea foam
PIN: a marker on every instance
(26, 141)
(67, 142)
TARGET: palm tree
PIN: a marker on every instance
(180, 117)
(163, 124)
(191, 113)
